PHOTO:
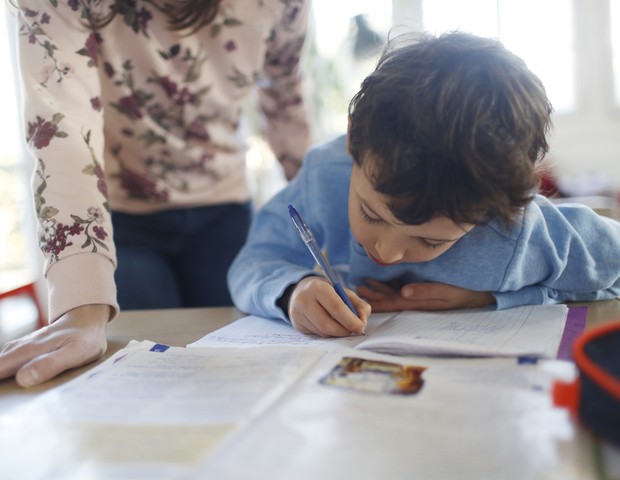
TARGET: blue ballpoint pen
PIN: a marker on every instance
(308, 238)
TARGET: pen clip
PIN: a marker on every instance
(308, 238)
(304, 231)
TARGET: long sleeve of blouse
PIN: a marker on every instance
(135, 117)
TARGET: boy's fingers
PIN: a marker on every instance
(316, 307)
(303, 325)
(332, 328)
(336, 319)
(354, 322)
(362, 307)
(378, 286)
(321, 325)
(333, 311)
(398, 303)
(370, 293)
(428, 291)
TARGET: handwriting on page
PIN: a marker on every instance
(478, 328)
(254, 338)
(527, 330)
(255, 331)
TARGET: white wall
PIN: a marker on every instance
(587, 149)
(588, 141)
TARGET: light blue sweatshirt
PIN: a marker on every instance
(553, 254)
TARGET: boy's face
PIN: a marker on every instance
(389, 241)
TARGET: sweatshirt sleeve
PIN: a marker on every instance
(280, 88)
(563, 254)
(274, 256)
(64, 130)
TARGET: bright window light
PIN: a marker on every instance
(615, 45)
(536, 31)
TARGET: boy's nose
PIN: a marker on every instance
(389, 252)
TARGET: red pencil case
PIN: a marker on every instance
(594, 396)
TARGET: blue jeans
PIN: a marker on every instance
(178, 258)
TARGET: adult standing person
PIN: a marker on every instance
(133, 110)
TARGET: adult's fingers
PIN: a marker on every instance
(75, 339)
(75, 351)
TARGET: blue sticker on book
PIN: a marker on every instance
(525, 360)
(159, 347)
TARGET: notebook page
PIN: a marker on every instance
(527, 330)
(253, 331)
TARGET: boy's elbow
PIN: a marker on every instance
(234, 280)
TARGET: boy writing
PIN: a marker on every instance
(434, 186)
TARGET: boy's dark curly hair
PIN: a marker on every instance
(451, 126)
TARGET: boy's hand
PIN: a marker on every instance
(75, 339)
(315, 307)
(421, 296)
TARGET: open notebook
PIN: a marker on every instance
(533, 330)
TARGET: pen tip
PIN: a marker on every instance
(291, 209)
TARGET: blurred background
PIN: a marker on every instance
(572, 45)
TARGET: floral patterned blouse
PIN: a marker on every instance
(138, 118)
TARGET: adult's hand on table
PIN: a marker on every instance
(75, 339)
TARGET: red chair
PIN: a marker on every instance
(29, 290)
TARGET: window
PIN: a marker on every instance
(536, 31)
(17, 262)
(345, 40)
(19, 257)
(569, 44)
(615, 45)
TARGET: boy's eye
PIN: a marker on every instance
(368, 218)
(432, 245)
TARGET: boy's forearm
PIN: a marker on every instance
(261, 286)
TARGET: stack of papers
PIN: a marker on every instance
(474, 405)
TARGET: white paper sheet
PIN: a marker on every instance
(478, 419)
(144, 414)
(528, 330)
(253, 331)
